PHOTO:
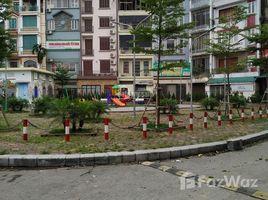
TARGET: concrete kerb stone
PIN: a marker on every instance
(22, 161)
(101, 159)
(57, 160)
(234, 144)
(115, 157)
(175, 152)
(72, 160)
(4, 160)
(87, 160)
(142, 155)
(128, 157)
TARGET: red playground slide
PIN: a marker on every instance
(118, 102)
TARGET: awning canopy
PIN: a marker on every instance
(220, 81)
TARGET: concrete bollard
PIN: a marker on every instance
(25, 124)
(243, 115)
(219, 118)
(260, 112)
(144, 127)
(67, 130)
(106, 128)
(252, 113)
(170, 124)
(205, 120)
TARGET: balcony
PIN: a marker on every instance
(29, 8)
(87, 29)
(97, 76)
(87, 10)
(196, 4)
(87, 52)
(29, 29)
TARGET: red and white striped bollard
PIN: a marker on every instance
(191, 125)
(219, 118)
(170, 124)
(67, 130)
(144, 127)
(106, 128)
(230, 117)
(205, 120)
(25, 124)
(243, 115)
(252, 113)
(260, 112)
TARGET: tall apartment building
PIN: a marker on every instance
(206, 68)
(98, 46)
(63, 38)
(27, 78)
(176, 81)
(130, 14)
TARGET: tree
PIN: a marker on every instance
(261, 38)
(225, 44)
(162, 25)
(40, 51)
(62, 75)
(5, 39)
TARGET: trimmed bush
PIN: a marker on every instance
(238, 100)
(209, 103)
(255, 98)
(169, 104)
(42, 104)
(16, 104)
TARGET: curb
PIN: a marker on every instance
(68, 160)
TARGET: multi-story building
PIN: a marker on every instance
(25, 76)
(63, 38)
(130, 15)
(98, 47)
(248, 80)
(176, 81)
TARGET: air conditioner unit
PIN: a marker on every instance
(112, 55)
(48, 10)
(112, 47)
(112, 62)
(123, 51)
(111, 24)
(112, 32)
(111, 40)
(50, 32)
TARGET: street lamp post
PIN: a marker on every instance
(134, 59)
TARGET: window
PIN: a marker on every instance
(88, 7)
(91, 89)
(137, 68)
(29, 21)
(88, 67)
(16, 6)
(146, 68)
(30, 63)
(104, 3)
(104, 43)
(200, 65)
(13, 42)
(226, 14)
(199, 43)
(29, 41)
(60, 3)
(170, 44)
(88, 25)
(74, 4)
(230, 62)
(201, 18)
(131, 5)
(13, 23)
(13, 64)
(126, 67)
(104, 22)
(104, 66)
(251, 7)
(74, 24)
(51, 25)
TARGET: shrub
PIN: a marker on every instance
(42, 104)
(17, 104)
(255, 98)
(169, 104)
(209, 103)
(238, 100)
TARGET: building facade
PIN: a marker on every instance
(63, 39)
(26, 77)
(98, 47)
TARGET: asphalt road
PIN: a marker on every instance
(137, 182)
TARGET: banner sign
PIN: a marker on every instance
(63, 45)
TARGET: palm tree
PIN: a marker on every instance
(40, 51)
(62, 76)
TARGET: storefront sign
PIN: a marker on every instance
(242, 88)
(63, 45)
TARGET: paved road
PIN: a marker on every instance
(137, 182)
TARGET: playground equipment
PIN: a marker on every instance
(117, 102)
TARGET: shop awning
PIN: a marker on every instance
(220, 81)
